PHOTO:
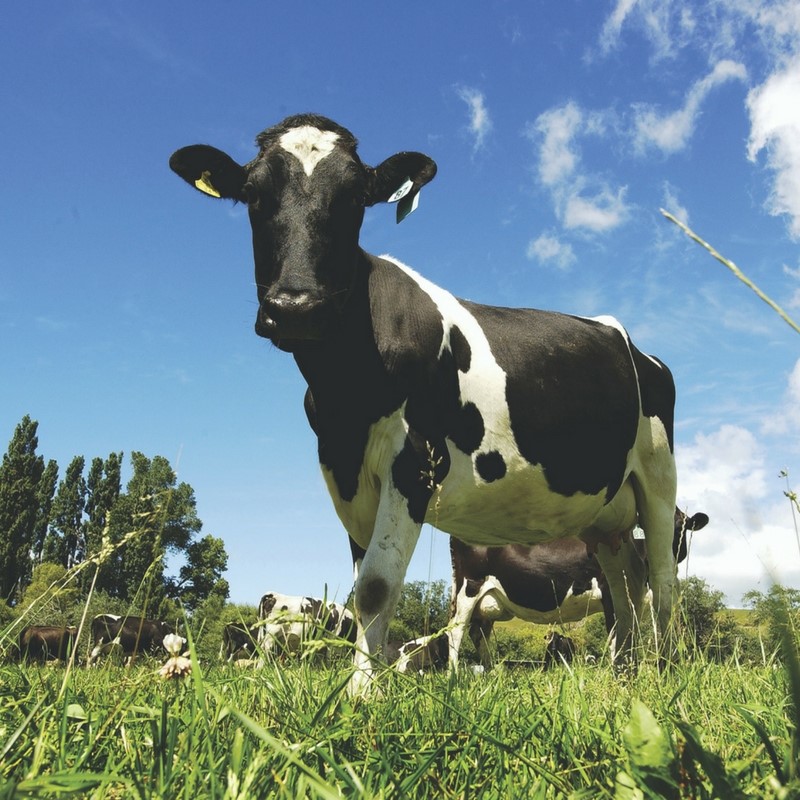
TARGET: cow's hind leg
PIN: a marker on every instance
(625, 573)
(655, 487)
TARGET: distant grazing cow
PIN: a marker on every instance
(556, 582)
(131, 635)
(418, 655)
(239, 642)
(287, 622)
(558, 650)
(42, 643)
(496, 425)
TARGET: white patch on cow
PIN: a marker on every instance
(309, 145)
(496, 606)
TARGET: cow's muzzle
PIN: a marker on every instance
(288, 318)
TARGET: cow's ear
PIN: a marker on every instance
(402, 174)
(697, 521)
(209, 171)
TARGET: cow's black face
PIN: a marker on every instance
(306, 192)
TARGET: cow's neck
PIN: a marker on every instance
(350, 386)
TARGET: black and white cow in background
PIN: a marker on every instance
(41, 643)
(549, 583)
(287, 622)
(420, 654)
(131, 635)
(239, 642)
(527, 425)
(559, 650)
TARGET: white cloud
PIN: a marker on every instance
(786, 420)
(750, 539)
(556, 132)
(671, 132)
(612, 27)
(604, 211)
(547, 248)
(774, 108)
(558, 156)
(480, 124)
(673, 205)
(663, 23)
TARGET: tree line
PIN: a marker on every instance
(115, 541)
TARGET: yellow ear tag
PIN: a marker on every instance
(203, 183)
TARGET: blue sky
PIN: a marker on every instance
(127, 301)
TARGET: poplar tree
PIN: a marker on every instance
(103, 486)
(20, 479)
(65, 543)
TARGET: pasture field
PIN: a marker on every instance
(290, 731)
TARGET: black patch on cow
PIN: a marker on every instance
(572, 395)
(459, 346)
(371, 596)
(416, 473)
(465, 428)
(491, 466)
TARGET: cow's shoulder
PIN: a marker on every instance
(407, 324)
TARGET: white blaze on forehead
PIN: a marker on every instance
(309, 145)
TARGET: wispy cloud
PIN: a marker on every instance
(549, 249)
(581, 200)
(775, 128)
(480, 123)
(671, 132)
(673, 205)
(665, 24)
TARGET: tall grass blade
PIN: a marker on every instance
(733, 268)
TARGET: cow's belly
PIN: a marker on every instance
(496, 607)
(518, 508)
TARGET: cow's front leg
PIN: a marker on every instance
(379, 583)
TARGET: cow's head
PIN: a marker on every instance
(306, 191)
(683, 524)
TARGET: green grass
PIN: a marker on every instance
(700, 730)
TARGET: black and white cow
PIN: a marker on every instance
(287, 622)
(497, 425)
(420, 654)
(551, 583)
(41, 643)
(558, 650)
(239, 642)
(130, 635)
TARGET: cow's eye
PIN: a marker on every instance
(250, 195)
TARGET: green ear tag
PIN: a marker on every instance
(408, 204)
(203, 183)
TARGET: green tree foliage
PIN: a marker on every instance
(709, 628)
(201, 576)
(103, 487)
(774, 611)
(423, 608)
(65, 542)
(20, 477)
(156, 516)
(47, 599)
(47, 488)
